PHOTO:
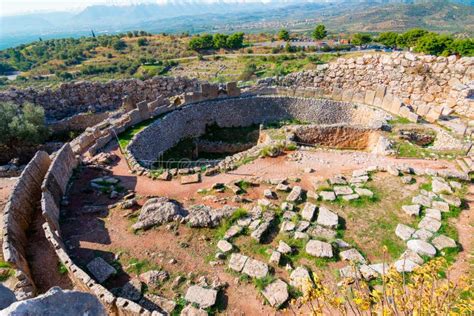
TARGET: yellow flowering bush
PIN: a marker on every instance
(423, 292)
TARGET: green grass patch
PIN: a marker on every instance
(262, 283)
(138, 266)
(399, 120)
(62, 268)
(125, 137)
(227, 223)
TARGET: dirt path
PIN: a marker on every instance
(6, 186)
(464, 264)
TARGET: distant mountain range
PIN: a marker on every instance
(190, 16)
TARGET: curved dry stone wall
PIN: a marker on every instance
(83, 96)
(431, 86)
(191, 120)
(17, 217)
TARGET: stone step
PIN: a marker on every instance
(464, 167)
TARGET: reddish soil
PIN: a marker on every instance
(107, 232)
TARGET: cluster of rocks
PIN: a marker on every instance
(425, 240)
(161, 210)
(348, 189)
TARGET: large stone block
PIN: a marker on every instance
(50, 210)
(379, 95)
(369, 97)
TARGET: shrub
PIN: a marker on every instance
(320, 32)
(21, 126)
(283, 35)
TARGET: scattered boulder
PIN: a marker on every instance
(442, 206)
(298, 277)
(364, 192)
(422, 234)
(100, 269)
(283, 247)
(433, 213)
(205, 216)
(319, 249)
(327, 218)
(154, 277)
(342, 190)
(255, 268)
(295, 194)
(405, 265)
(201, 296)
(350, 197)
(327, 195)
(380, 268)
(422, 200)
(157, 303)
(421, 247)
(352, 255)
(319, 231)
(350, 272)
(404, 232)
(451, 200)
(439, 186)
(276, 293)
(430, 224)
(237, 262)
(413, 256)
(412, 210)
(441, 242)
(308, 211)
(224, 246)
(234, 230)
(275, 257)
(158, 211)
(269, 194)
(393, 170)
(190, 179)
(287, 226)
(58, 302)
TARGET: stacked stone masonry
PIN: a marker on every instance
(429, 86)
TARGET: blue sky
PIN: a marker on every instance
(14, 7)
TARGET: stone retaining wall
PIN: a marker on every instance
(191, 120)
(431, 86)
(84, 96)
(18, 213)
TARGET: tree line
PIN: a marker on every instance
(217, 41)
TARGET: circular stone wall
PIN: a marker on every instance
(191, 120)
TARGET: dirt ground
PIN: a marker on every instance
(106, 231)
(6, 186)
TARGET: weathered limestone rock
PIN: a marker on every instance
(404, 232)
(421, 247)
(412, 210)
(441, 242)
(276, 293)
(295, 194)
(190, 179)
(57, 302)
(298, 277)
(157, 303)
(201, 296)
(283, 247)
(393, 170)
(255, 268)
(412, 256)
(303, 226)
(205, 216)
(440, 187)
(380, 268)
(319, 249)
(342, 190)
(364, 192)
(405, 265)
(350, 272)
(237, 262)
(430, 224)
(287, 226)
(442, 206)
(367, 272)
(275, 257)
(154, 277)
(433, 213)
(158, 211)
(308, 211)
(322, 232)
(234, 230)
(224, 246)
(422, 234)
(422, 200)
(352, 255)
(451, 200)
(100, 269)
(261, 230)
(327, 218)
(327, 195)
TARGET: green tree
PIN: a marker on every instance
(388, 39)
(360, 39)
(20, 126)
(235, 41)
(118, 44)
(283, 35)
(248, 72)
(463, 47)
(320, 32)
(204, 41)
(142, 41)
(434, 44)
(410, 38)
(220, 40)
